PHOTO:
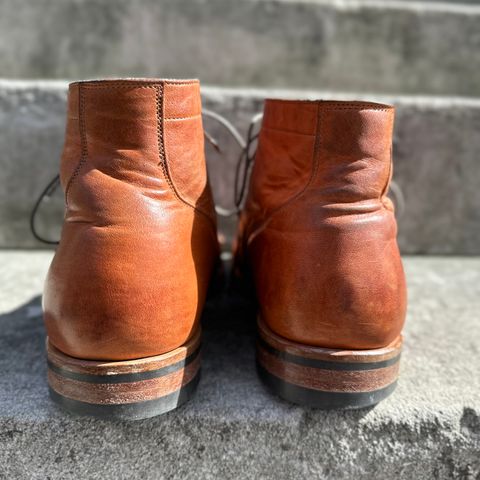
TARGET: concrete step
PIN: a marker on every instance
(233, 428)
(354, 45)
(436, 149)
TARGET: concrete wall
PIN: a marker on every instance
(436, 149)
(361, 46)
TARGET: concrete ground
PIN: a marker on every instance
(234, 428)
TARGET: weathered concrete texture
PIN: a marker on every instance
(32, 125)
(233, 428)
(436, 149)
(395, 46)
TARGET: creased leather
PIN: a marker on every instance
(318, 234)
(130, 275)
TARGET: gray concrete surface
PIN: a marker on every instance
(355, 45)
(233, 428)
(436, 149)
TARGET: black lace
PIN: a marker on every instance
(245, 160)
(45, 195)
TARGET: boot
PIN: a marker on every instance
(126, 287)
(317, 237)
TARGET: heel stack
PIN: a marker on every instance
(132, 389)
(326, 378)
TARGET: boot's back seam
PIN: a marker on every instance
(159, 98)
(297, 195)
(159, 95)
(83, 141)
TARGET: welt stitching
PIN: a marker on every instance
(83, 141)
(162, 153)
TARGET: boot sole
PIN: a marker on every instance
(128, 390)
(326, 378)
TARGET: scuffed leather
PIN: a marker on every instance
(318, 234)
(138, 244)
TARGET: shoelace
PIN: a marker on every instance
(242, 170)
(48, 191)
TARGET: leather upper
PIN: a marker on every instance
(138, 244)
(318, 233)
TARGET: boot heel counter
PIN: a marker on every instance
(370, 304)
(105, 301)
(339, 286)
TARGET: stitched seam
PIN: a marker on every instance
(83, 142)
(184, 118)
(130, 84)
(291, 200)
(327, 104)
(160, 137)
(358, 108)
(118, 85)
(332, 104)
(163, 157)
(126, 84)
(181, 84)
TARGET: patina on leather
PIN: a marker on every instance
(318, 232)
(138, 244)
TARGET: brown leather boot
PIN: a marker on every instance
(128, 282)
(318, 237)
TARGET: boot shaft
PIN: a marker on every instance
(145, 134)
(339, 152)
